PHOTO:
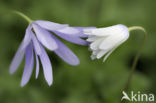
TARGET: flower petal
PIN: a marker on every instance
(81, 29)
(17, 59)
(108, 54)
(71, 34)
(27, 37)
(93, 57)
(65, 53)
(93, 38)
(45, 37)
(36, 44)
(50, 25)
(101, 53)
(95, 45)
(97, 32)
(20, 52)
(37, 66)
(47, 67)
(72, 38)
(111, 42)
(29, 63)
(75, 31)
(69, 31)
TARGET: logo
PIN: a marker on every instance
(137, 97)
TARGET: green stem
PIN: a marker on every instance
(23, 16)
(136, 57)
(18, 13)
(137, 54)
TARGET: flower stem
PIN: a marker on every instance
(136, 57)
(137, 54)
(23, 16)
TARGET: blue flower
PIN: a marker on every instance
(40, 34)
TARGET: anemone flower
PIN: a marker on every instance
(40, 34)
(103, 41)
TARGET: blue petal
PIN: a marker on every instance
(71, 34)
(72, 38)
(81, 33)
(29, 63)
(36, 44)
(44, 37)
(37, 66)
(47, 67)
(17, 59)
(27, 37)
(50, 25)
(69, 31)
(65, 53)
(20, 52)
(75, 31)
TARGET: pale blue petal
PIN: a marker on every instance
(36, 44)
(72, 38)
(81, 33)
(65, 53)
(47, 67)
(50, 25)
(69, 31)
(37, 66)
(44, 37)
(27, 37)
(20, 52)
(29, 63)
(17, 59)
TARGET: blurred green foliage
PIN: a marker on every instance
(91, 81)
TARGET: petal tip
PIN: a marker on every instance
(11, 72)
(50, 82)
(76, 63)
(36, 77)
(23, 84)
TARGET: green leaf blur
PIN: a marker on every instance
(91, 81)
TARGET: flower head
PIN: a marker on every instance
(40, 34)
(103, 41)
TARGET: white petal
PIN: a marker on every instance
(88, 31)
(95, 44)
(95, 52)
(101, 53)
(97, 32)
(69, 30)
(93, 38)
(107, 55)
(93, 57)
(104, 40)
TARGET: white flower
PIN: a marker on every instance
(103, 41)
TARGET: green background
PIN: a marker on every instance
(91, 81)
